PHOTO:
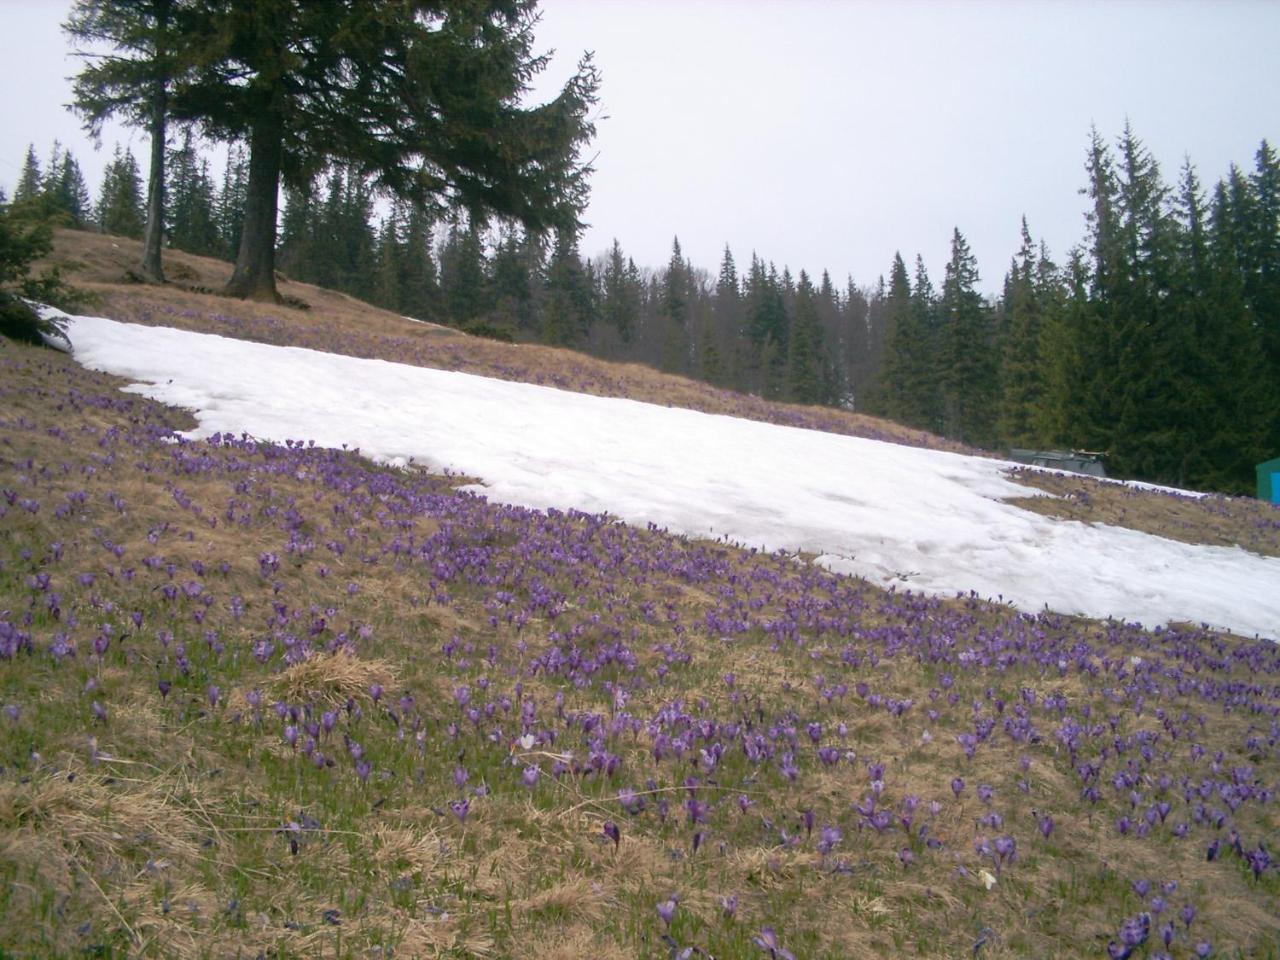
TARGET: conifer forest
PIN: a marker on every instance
(1155, 341)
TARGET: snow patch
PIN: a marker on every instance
(928, 520)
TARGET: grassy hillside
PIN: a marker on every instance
(283, 702)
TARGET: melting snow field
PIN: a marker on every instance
(921, 519)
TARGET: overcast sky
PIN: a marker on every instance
(830, 134)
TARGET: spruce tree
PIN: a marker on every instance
(1022, 385)
(420, 288)
(298, 227)
(806, 380)
(191, 206)
(966, 351)
(148, 45)
(569, 307)
(621, 304)
(463, 280)
(897, 346)
(231, 200)
(1222, 404)
(428, 98)
(676, 294)
(387, 291)
(1068, 331)
(120, 199)
(909, 378)
(26, 197)
(516, 275)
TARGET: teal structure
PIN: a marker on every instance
(1269, 481)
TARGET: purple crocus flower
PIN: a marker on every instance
(667, 909)
(767, 939)
(530, 777)
(460, 809)
(1046, 826)
(729, 905)
(613, 833)
(1006, 848)
(957, 786)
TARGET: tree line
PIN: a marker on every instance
(1156, 342)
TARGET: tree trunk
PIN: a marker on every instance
(254, 277)
(150, 267)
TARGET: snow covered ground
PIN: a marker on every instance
(921, 519)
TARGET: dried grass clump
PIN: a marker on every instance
(84, 815)
(575, 898)
(401, 848)
(437, 937)
(770, 867)
(573, 943)
(330, 679)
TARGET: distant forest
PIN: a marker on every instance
(1156, 341)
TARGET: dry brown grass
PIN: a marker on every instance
(1218, 521)
(574, 898)
(330, 679)
(574, 942)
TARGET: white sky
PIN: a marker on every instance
(920, 519)
(829, 134)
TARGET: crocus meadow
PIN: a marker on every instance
(279, 700)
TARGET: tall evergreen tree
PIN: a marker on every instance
(390, 251)
(569, 308)
(231, 200)
(909, 379)
(120, 199)
(1022, 377)
(806, 378)
(30, 184)
(1067, 333)
(967, 351)
(1221, 405)
(426, 97)
(134, 50)
(676, 295)
(1150, 339)
(192, 216)
(513, 278)
(463, 280)
(298, 227)
(622, 294)
(419, 282)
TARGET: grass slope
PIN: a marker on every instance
(282, 702)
